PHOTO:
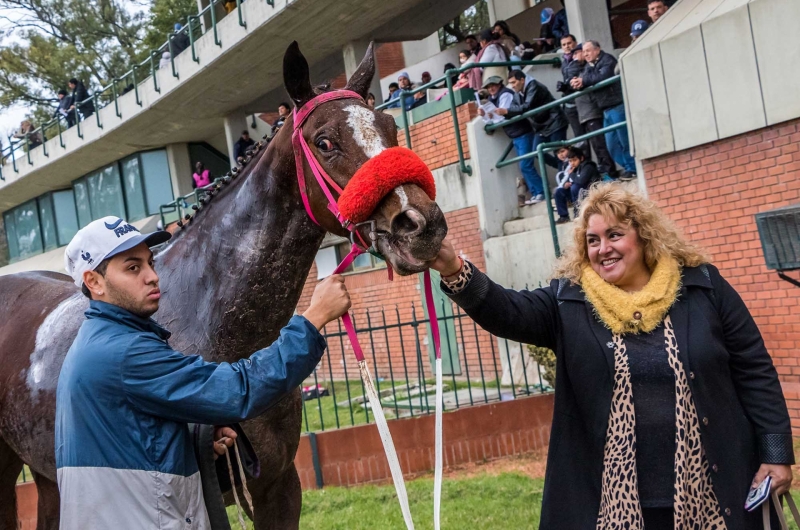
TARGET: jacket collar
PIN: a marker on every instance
(98, 309)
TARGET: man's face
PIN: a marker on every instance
(60, 97)
(282, 110)
(71, 86)
(655, 10)
(494, 88)
(130, 282)
(404, 83)
(472, 43)
(517, 84)
(426, 78)
(568, 44)
(577, 55)
(562, 154)
(590, 52)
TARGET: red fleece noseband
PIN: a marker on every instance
(378, 177)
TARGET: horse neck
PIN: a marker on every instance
(232, 278)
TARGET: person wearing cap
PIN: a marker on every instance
(124, 454)
(404, 83)
(546, 35)
(242, 145)
(638, 27)
(178, 41)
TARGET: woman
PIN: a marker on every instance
(371, 100)
(506, 38)
(28, 135)
(201, 176)
(492, 51)
(660, 367)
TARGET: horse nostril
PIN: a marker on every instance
(408, 223)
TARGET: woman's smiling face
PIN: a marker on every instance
(616, 253)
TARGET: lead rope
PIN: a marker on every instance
(246, 492)
(377, 409)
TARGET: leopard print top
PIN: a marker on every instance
(695, 504)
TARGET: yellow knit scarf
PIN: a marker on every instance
(624, 312)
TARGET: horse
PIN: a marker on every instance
(230, 279)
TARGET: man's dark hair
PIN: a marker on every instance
(654, 1)
(245, 132)
(569, 36)
(394, 85)
(73, 81)
(576, 152)
(473, 37)
(101, 270)
(62, 92)
(285, 105)
(517, 74)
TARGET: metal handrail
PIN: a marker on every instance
(177, 203)
(448, 79)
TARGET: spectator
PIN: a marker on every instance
(426, 78)
(465, 57)
(242, 145)
(64, 104)
(492, 51)
(404, 81)
(80, 98)
(371, 100)
(506, 38)
(656, 9)
(472, 43)
(284, 110)
(201, 176)
(453, 77)
(568, 44)
(549, 126)
(638, 27)
(590, 117)
(599, 67)
(394, 95)
(27, 136)
(521, 132)
(583, 173)
(180, 41)
(229, 5)
(166, 60)
(546, 36)
(560, 23)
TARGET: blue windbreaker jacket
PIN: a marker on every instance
(123, 451)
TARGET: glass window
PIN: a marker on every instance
(157, 183)
(29, 237)
(362, 263)
(82, 202)
(11, 235)
(66, 215)
(134, 193)
(47, 222)
(105, 193)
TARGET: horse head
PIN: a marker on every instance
(344, 134)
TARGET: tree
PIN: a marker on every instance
(471, 21)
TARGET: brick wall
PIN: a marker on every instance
(476, 434)
(713, 192)
(390, 58)
(434, 140)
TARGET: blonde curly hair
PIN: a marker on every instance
(615, 202)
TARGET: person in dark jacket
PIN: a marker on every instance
(583, 173)
(125, 397)
(179, 41)
(668, 407)
(549, 126)
(520, 132)
(587, 113)
(242, 145)
(80, 98)
(560, 23)
(64, 104)
(568, 45)
(599, 67)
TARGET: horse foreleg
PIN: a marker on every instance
(10, 468)
(47, 513)
(278, 506)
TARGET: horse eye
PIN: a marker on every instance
(324, 144)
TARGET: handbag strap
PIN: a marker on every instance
(776, 501)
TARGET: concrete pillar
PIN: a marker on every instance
(205, 20)
(416, 51)
(180, 169)
(588, 19)
(353, 54)
(234, 125)
(505, 9)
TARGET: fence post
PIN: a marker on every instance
(239, 11)
(13, 156)
(550, 218)
(172, 55)
(214, 24)
(96, 110)
(28, 148)
(454, 112)
(405, 118)
(116, 97)
(195, 58)
(153, 72)
(135, 85)
(78, 121)
(312, 438)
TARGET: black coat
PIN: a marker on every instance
(586, 105)
(241, 146)
(535, 95)
(603, 69)
(80, 98)
(586, 174)
(734, 386)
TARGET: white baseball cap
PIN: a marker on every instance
(102, 239)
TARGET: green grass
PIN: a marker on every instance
(311, 409)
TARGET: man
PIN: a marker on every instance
(426, 78)
(64, 104)
(472, 43)
(80, 98)
(521, 132)
(393, 99)
(404, 82)
(599, 67)
(656, 9)
(179, 41)
(560, 23)
(582, 174)
(124, 456)
(284, 110)
(637, 29)
(242, 145)
(548, 126)
(568, 44)
(589, 114)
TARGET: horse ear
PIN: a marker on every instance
(296, 77)
(361, 79)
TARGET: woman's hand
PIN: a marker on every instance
(781, 477)
(447, 263)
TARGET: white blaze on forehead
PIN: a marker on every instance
(403, 197)
(362, 121)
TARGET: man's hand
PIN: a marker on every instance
(223, 438)
(419, 95)
(481, 112)
(567, 185)
(447, 262)
(329, 301)
(501, 112)
(781, 477)
(576, 83)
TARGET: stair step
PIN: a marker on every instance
(533, 210)
(526, 224)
